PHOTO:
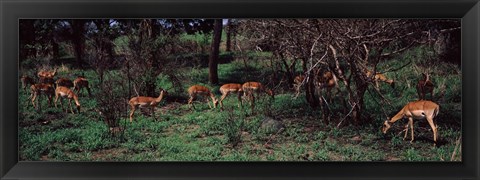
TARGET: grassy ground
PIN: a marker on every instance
(203, 134)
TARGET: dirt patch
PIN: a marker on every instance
(108, 154)
(172, 108)
(391, 158)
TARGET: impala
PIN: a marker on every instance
(255, 87)
(65, 92)
(297, 84)
(425, 86)
(227, 89)
(26, 81)
(47, 80)
(48, 74)
(80, 83)
(327, 81)
(39, 89)
(380, 77)
(145, 102)
(196, 90)
(249, 88)
(64, 82)
(417, 110)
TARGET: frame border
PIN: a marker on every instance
(12, 10)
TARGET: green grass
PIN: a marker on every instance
(203, 134)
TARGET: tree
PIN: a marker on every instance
(101, 55)
(77, 37)
(229, 35)
(214, 52)
(27, 38)
(346, 47)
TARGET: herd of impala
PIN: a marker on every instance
(416, 110)
(62, 88)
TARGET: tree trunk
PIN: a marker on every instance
(55, 50)
(214, 51)
(27, 39)
(310, 86)
(78, 39)
(229, 36)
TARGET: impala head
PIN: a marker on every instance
(385, 127)
(271, 93)
(163, 91)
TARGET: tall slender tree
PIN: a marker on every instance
(78, 39)
(214, 51)
(229, 35)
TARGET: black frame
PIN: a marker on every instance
(11, 11)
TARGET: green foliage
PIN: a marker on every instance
(232, 127)
(204, 134)
(413, 155)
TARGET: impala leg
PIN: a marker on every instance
(61, 103)
(51, 100)
(55, 101)
(240, 99)
(406, 130)
(297, 89)
(31, 95)
(132, 111)
(153, 112)
(70, 105)
(410, 122)
(222, 98)
(434, 129)
(208, 102)
(33, 100)
(190, 102)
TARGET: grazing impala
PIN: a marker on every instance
(80, 83)
(145, 102)
(196, 90)
(26, 82)
(255, 87)
(227, 89)
(425, 86)
(417, 110)
(65, 92)
(48, 74)
(297, 84)
(39, 89)
(249, 88)
(327, 81)
(64, 82)
(380, 77)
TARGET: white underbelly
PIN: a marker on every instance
(143, 104)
